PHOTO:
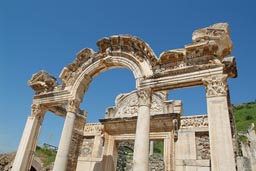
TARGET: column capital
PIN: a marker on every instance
(73, 105)
(37, 110)
(144, 97)
(216, 85)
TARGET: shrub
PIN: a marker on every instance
(248, 117)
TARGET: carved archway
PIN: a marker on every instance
(203, 62)
(115, 52)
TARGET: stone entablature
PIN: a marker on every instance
(194, 121)
(93, 129)
(205, 57)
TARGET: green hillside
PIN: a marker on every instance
(47, 155)
(245, 114)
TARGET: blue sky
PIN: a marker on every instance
(36, 35)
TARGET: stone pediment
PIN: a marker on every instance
(126, 105)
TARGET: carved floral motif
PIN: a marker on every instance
(37, 110)
(73, 105)
(194, 121)
(216, 86)
(144, 97)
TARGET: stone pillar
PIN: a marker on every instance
(28, 142)
(110, 154)
(141, 145)
(221, 146)
(66, 136)
(169, 152)
(151, 148)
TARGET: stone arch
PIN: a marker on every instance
(203, 62)
(114, 52)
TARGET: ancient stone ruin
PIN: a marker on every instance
(202, 142)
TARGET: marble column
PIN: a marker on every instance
(141, 145)
(61, 160)
(221, 145)
(28, 142)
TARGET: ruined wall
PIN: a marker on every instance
(125, 154)
(192, 148)
(202, 145)
(5, 161)
(247, 161)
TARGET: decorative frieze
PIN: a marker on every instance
(93, 129)
(194, 122)
(126, 44)
(216, 86)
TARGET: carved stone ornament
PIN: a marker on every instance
(208, 49)
(127, 105)
(144, 97)
(175, 129)
(216, 86)
(86, 149)
(194, 122)
(42, 82)
(37, 110)
(93, 128)
(73, 105)
(70, 73)
(128, 44)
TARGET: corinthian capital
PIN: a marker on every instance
(144, 97)
(73, 105)
(37, 110)
(216, 86)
